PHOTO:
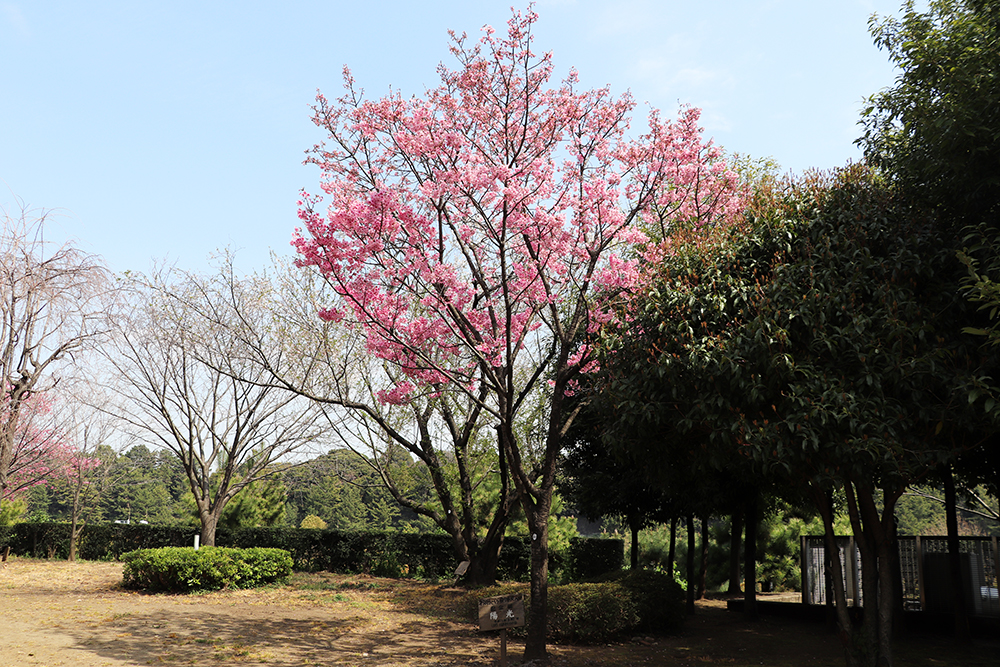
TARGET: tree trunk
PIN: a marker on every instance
(74, 525)
(882, 533)
(690, 564)
(886, 602)
(866, 643)
(735, 538)
(634, 526)
(824, 502)
(703, 574)
(6, 457)
(483, 561)
(672, 551)
(750, 558)
(538, 524)
(74, 535)
(955, 558)
(483, 555)
(869, 591)
(209, 523)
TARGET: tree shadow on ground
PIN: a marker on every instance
(249, 635)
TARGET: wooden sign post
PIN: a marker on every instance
(500, 613)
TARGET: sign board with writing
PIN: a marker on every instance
(502, 612)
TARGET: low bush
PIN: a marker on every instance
(182, 569)
(659, 600)
(591, 613)
(596, 612)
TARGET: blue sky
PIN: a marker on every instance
(166, 131)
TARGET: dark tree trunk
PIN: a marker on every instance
(672, 551)
(634, 527)
(703, 573)
(750, 558)
(873, 535)
(484, 555)
(690, 564)
(735, 538)
(538, 524)
(868, 645)
(954, 558)
(483, 561)
(834, 574)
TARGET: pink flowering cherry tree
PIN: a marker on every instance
(41, 449)
(470, 235)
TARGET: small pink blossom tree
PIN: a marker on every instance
(41, 451)
(470, 234)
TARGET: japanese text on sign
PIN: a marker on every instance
(501, 612)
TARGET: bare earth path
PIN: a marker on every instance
(74, 614)
(58, 613)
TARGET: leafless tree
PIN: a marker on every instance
(189, 385)
(328, 364)
(53, 305)
(96, 439)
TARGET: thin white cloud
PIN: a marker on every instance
(15, 18)
(714, 120)
(666, 76)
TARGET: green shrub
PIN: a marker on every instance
(590, 613)
(659, 600)
(596, 612)
(313, 522)
(181, 569)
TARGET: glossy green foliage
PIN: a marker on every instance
(936, 132)
(817, 342)
(599, 482)
(937, 129)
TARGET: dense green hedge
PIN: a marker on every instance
(381, 554)
(182, 569)
(597, 612)
(659, 600)
(97, 541)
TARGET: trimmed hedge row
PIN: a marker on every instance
(380, 554)
(639, 600)
(183, 569)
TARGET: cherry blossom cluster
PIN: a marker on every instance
(42, 451)
(483, 220)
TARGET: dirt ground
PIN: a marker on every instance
(57, 613)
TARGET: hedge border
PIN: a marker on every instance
(419, 555)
